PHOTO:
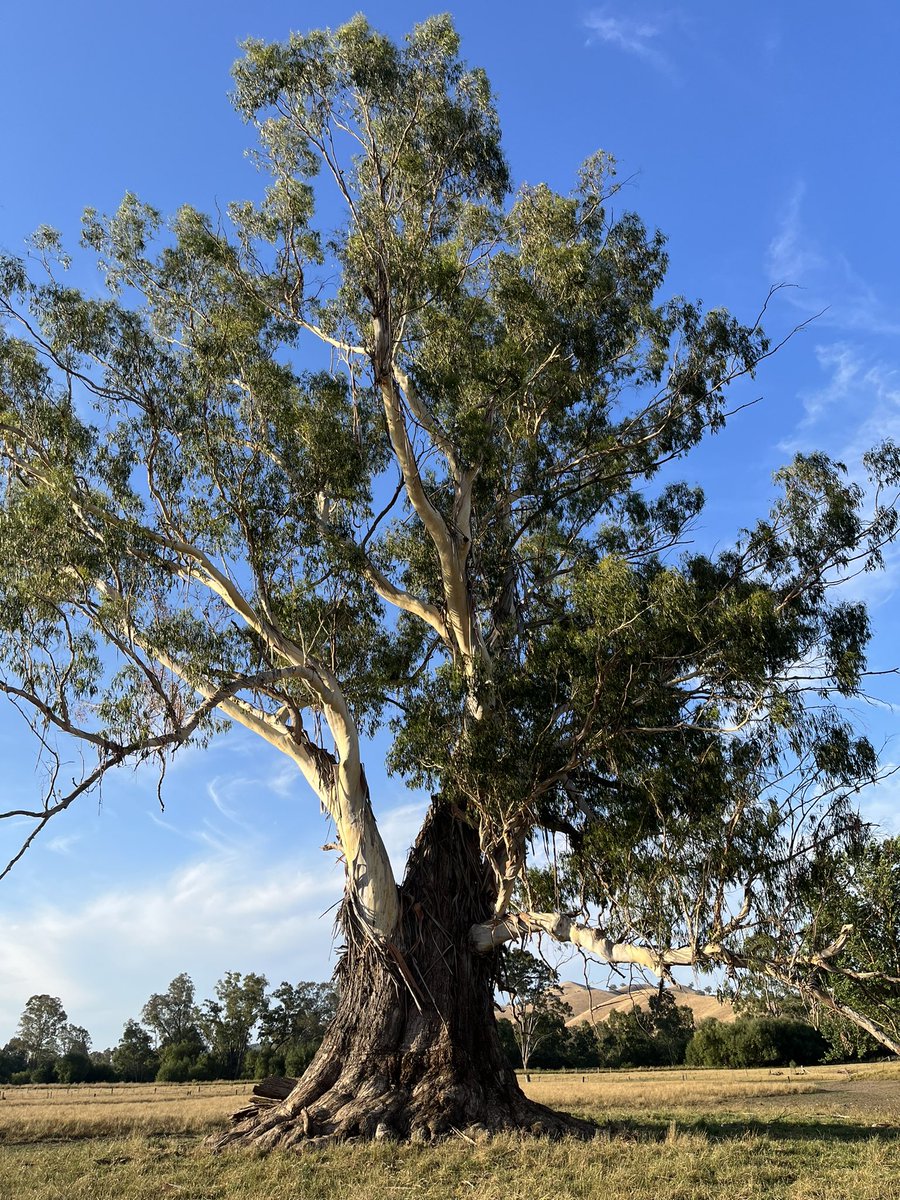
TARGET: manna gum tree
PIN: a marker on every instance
(453, 523)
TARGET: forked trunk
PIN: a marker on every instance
(414, 1050)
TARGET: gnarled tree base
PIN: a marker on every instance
(413, 1052)
(436, 1108)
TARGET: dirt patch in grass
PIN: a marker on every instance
(873, 1102)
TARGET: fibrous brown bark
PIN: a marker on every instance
(414, 1051)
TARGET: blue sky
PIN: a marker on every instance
(760, 138)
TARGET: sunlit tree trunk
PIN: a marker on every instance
(414, 1050)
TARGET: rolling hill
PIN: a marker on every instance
(595, 1004)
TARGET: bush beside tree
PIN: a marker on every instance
(755, 1042)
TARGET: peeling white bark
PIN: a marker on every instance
(491, 934)
(452, 544)
(340, 784)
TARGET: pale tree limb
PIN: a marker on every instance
(823, 997)
(385, 587)
(338, 780)
(514, 927)
(202, 569)
(111, 753)
(489, 935)
(452, 546)
(426, 419)
(340, 783)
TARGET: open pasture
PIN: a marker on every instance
(57, 1112)
(685, 1135)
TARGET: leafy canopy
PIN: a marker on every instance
(391, 447)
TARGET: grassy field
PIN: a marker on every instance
(830, 1134)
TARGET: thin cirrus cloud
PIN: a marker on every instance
(233, 899)
(851, 396)
(821, 282)
(881, 804)
(857, 402)
(635, 36)
(205, 918)
(854, 408)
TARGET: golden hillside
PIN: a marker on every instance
(595, 1004)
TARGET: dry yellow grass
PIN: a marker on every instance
(598, 1095)
(692, 1135)
(33, 1114)
(679, 1165)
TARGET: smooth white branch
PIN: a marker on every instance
(490, 935)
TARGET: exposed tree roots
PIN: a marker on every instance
(371, 1108)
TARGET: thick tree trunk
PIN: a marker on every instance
(414, 1050)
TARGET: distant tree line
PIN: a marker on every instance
(248, 1030)
(245, 1031)
(664, 1035)
(770, 1030)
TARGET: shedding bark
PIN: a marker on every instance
(220, 530)
(413, 1052)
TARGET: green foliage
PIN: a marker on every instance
(74, 1067)
(535, 1002)
(175, 1066)
(755, 1042)
(134, 1058)
(651, 1037)
(297, 1013)
(291, 1028)
(13, 1060)
(507, 1033)
(172, 1015)
(229, 1021)
(467, 519)
(179, 1040)
(559, 1047)
(858, 893)
(41, 1028)
(75, 1039)
(44, 1071)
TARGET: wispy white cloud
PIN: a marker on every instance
(823, 282)
(791, 258)
(881, 804)
(399, 827)
(64, 844)
(237, 904)
(846, 371)
(856, 403)
(105, 957)
(284, 780)
(632, 35)
(855, 407)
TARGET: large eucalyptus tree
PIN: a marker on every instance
(405, 471)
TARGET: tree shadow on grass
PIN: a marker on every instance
(775, 1129)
